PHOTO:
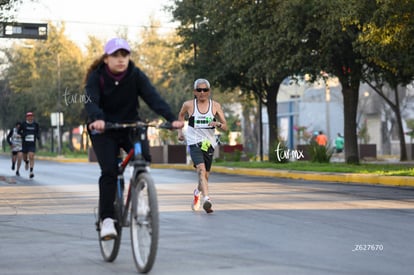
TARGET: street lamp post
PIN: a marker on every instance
(328, 100)
(59, 107)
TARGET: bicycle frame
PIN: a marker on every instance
(139, 166)
(140, 204)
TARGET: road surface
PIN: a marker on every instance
(260, 225)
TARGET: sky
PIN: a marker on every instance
(101, 18)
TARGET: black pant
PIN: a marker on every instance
(107, 147)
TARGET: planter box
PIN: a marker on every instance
(177, 153)
(410, 151)
(367, 151)
(169, 154)
(157, 154)
(305, 149)
(231, 152)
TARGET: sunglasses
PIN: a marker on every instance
(202, 90)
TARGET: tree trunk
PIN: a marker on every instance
(350, 95)
(250, 129)
(271, 97)
(397, 110)
(71, 147)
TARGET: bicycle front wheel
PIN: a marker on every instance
(144, 222)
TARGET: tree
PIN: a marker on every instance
(21, 97)
(388, 47)
(237, 44)
(8, 9)
(158, 59)
(330, 30)
(48, 74)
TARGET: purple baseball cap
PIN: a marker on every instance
(116, 44)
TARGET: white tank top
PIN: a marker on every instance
(16, 140)
(198, 129)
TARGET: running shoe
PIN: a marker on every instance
(196, 201)
(13, 164)
(17, 173)
(108, 230)
(207, 206)
(31, 175)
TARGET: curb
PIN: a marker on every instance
(63, 159)
(320, 176)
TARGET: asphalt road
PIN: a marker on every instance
(261, 225)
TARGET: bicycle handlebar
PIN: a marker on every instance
(115, 125)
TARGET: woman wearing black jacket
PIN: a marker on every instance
(113, 85)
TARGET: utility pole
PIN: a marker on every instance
(59, 106)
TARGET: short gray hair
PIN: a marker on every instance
(201, 81)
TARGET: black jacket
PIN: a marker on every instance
(114, 101)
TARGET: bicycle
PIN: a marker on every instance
(140, 204)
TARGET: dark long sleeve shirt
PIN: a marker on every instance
(117, 101)
(29, 132)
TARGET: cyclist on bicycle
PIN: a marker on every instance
(113, 84)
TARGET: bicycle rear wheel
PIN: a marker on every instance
(110, 248)
(144, 222)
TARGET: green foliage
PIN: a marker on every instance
(386, 41)
(47, 76)
(318, 153)
(255, 45)
(233, 122)
(251, 45)
(237, 44)
(302, 134)
(156, 56)
(44, 77)
(410, 125)
(363, 133)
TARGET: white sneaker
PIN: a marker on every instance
(143, 208)
(196, 201)
(108, 230)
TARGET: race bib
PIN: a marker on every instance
(202, 121)
(29, 138)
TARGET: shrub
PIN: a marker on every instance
(318, 153)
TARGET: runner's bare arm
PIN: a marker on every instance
(222, 123)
